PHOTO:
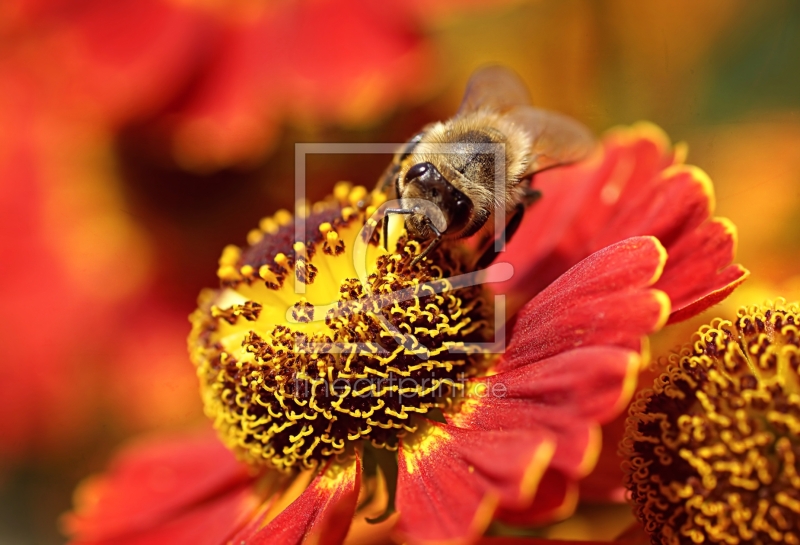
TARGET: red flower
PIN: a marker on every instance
(77, 311)
(61, 244)
(519, 430)
(40, 304)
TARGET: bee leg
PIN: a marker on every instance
(511, 227)
(530, 197)
(403, 211)
(430, 247)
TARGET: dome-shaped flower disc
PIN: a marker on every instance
(300, 354)
(713, 447)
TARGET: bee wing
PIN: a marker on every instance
(557, 138)
(494, 88)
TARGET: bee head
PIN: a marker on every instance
(424, 181)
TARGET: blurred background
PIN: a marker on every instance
(138, 137)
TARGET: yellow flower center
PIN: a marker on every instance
(712, 450)
(310, 347)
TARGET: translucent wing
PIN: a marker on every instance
(495, 88)
(557, 138)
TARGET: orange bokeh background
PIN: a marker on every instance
(138, 137)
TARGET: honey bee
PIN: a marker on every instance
(481, 161)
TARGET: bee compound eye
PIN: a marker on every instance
(417, 171)
(462, 209)
(460, 213)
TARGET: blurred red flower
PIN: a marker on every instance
(214, 80)
(571, 365)
(38, 305)
(634, 535)
(70, 316)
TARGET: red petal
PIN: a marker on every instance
(152, 482)
(556, 499)
(126, 73)
(729, 279)
(230, 98)
(451, 479)
(602, 300)
(579, 201)
(322, 53)
(210, 523)
(653, 210)
(566, 396)
(643, 149)
(337, 47)
(694, 285)
(323, 512)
